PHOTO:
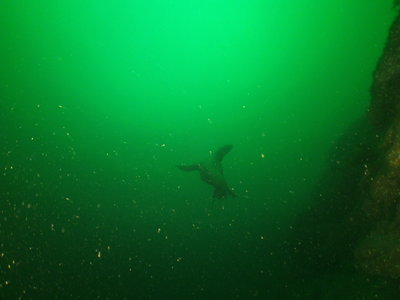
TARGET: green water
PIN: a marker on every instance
(100, 100)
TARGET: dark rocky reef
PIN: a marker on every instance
(378, 253)
(352, 231)
(385, 100)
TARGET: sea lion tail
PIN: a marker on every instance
(221, 152)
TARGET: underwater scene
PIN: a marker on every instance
(187, 149)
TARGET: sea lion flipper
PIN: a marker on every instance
(221, 152)
(190, 168)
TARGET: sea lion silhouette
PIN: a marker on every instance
(211, 172)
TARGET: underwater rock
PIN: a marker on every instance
(355, 219)
(346, 244)
(378, 252)
(385, 102)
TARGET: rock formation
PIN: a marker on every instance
(378, 253)
(352, 231)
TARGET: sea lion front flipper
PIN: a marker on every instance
(190, 168)
(221, 152)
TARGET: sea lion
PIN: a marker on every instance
(211, 172)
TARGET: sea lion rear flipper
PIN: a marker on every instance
(190, 168)
(221, 152)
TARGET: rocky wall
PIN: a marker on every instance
(378, 252)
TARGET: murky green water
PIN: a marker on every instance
(99, 101)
